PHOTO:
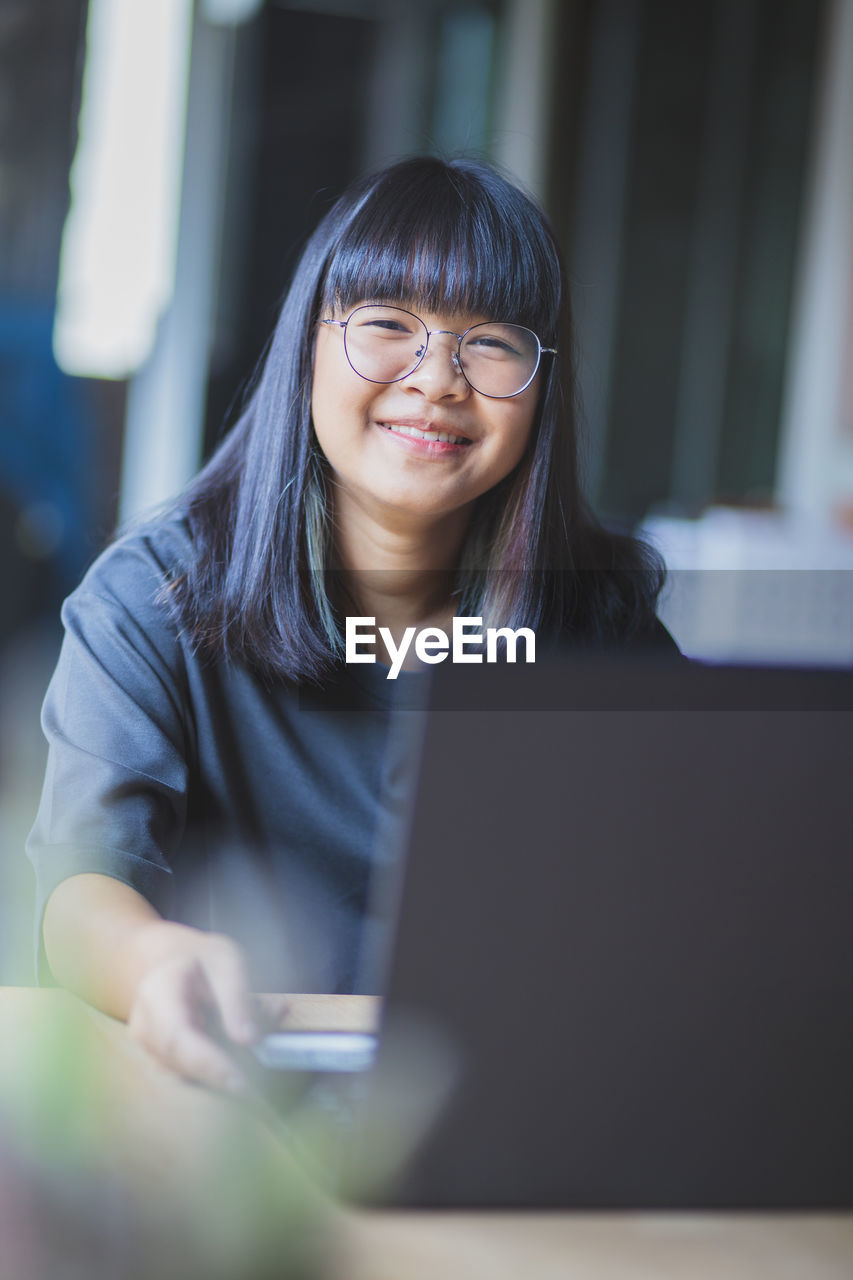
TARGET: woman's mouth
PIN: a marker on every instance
(430, 435)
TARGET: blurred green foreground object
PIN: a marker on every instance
(111, 1169)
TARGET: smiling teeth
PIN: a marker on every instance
(444, 436)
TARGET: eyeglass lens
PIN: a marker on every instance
(384, 344)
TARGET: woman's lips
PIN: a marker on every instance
(429, 434)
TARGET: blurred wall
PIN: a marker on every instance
(47, 464)
(44, 485)
(684, 215)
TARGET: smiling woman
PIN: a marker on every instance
(213, 802)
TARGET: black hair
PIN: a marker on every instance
(445, 236)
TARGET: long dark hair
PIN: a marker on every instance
(443, 236)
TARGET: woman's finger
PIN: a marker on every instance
(174, 1013)
(196, 1056)
(228, 980)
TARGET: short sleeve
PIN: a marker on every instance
(114, 797)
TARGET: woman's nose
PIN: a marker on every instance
(439, 373)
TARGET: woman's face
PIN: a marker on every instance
(381, 440)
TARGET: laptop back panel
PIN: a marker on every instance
(627, 908)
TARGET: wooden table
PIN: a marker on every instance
(106, 1158)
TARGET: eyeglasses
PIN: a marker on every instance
(385, 344)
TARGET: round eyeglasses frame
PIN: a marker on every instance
(455, 356)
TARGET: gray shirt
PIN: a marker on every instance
(258, 810)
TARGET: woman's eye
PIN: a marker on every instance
(386, 328)
(489, 344)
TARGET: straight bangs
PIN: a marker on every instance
(449, 238)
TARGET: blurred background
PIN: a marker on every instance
(162, 161)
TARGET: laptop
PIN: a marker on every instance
(622, 969)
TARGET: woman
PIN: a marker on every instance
(407, 454)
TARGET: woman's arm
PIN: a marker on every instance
(113, 814)
(183, 992)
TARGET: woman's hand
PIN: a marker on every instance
(190, 1006)
(183, 992)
